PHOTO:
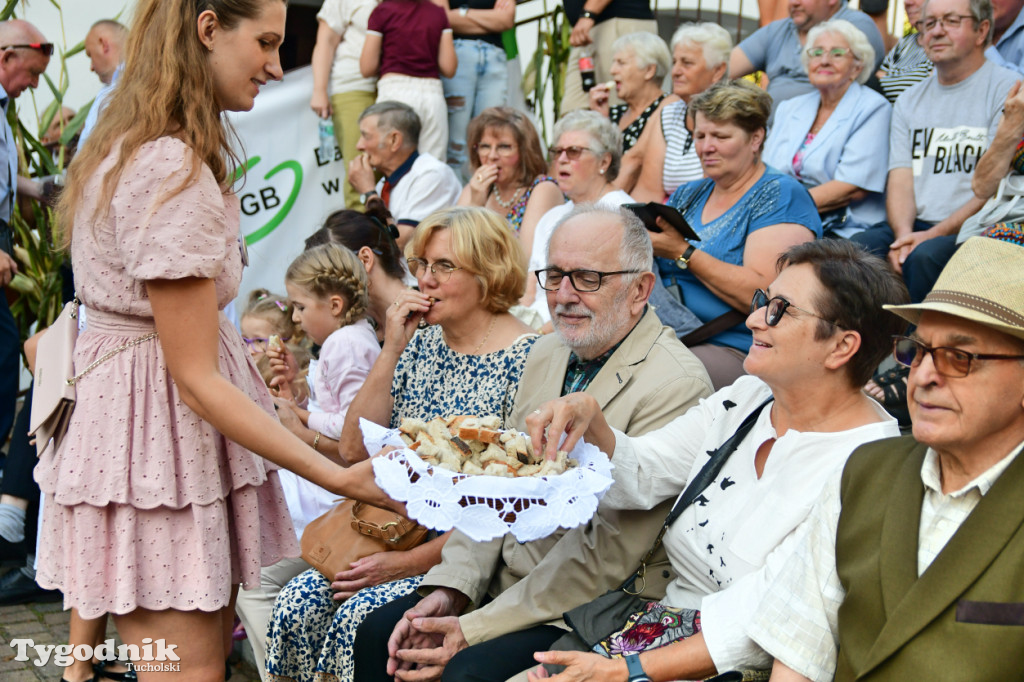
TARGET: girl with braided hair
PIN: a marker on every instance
(327, 291)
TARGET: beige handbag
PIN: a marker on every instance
(53, 391)
(353, 530)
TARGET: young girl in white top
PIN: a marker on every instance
(327, 291)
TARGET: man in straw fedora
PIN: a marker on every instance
(913, 561)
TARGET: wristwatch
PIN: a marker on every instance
(683, 262)
(587, 14)
(464, 10)
(636, 671)
(365, 196)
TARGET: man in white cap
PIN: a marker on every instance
(911, 563)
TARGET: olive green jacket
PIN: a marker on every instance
(963, 618)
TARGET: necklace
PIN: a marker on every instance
(494, 318)
(497, 197)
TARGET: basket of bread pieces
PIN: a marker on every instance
(468, 473)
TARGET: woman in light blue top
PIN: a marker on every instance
(746, 215)
(835, 140)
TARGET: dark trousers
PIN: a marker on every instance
(18, 481)
(495, 660)
(10, 366)
(924, 263)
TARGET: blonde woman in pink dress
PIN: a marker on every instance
(157, 507)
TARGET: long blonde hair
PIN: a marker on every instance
(165, 88)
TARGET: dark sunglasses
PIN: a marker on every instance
(45, 48)
(948, 361)
(776, 306)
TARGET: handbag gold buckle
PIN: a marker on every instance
(393, 536)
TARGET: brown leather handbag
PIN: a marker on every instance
(353, 530)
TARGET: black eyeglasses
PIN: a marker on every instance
(442, 269)
(948, 361)
(583, 281)
(776, 306)
(45, 48)
(572, 152)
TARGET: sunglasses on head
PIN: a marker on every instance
(45, 48)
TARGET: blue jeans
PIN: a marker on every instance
(923, 265)
(481, 81)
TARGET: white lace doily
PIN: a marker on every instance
(486, 507)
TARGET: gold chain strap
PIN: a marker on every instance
(109, 354)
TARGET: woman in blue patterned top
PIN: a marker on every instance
(746, 214)
(468, 360)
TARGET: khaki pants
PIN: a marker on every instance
(255, 606)
(345, 110)
(602, 36)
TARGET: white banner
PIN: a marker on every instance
(288, 188)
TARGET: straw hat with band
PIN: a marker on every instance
(982, 282)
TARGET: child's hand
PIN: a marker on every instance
(282, 388)
(282, 363)
(287, 413)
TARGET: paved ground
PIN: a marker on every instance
(48, 624)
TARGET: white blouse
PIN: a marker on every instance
(728, 533)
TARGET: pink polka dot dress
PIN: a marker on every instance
(147, 505)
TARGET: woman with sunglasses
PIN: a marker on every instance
(585, 161)
(466, 359)
(819, 332)
(746, 214)
(509, 172)
(836, 139)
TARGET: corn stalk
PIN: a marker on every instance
(546, 68)
(38, 282)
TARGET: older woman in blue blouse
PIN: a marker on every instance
(835, 140)
(746, 214)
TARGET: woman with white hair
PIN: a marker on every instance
(665, 157)
(639, 64)
(584, 162)
(836, 139)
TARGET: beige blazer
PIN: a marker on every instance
(649, 380)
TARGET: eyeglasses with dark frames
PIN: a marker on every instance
(573, 153)
(947, 21)
(442, 269)
(583, 281)
(776, 306)
(948, 361)
(45, 48)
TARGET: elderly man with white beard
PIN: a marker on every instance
(608, 343)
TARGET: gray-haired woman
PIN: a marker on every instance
(835, 140)
(665, 157)
(584, 162)
(639, 64)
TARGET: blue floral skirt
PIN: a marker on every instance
(310, 636)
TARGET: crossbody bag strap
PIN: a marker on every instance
(708, 473)
(726, 320)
